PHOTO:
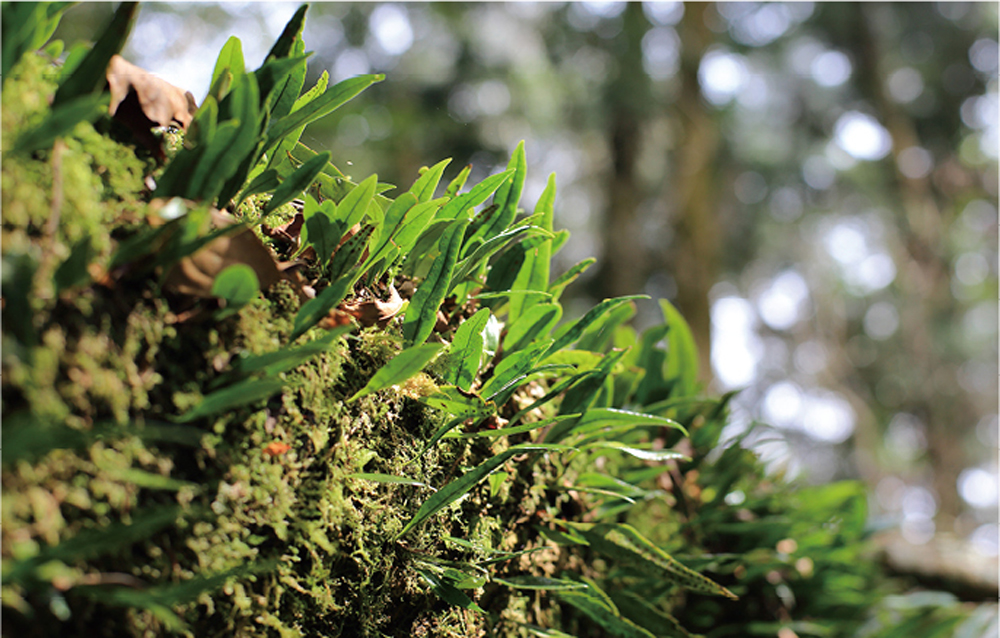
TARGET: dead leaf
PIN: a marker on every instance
(292, 272)
(141, 101)
(441, 325)
(189, 315)
(288, 234)
(194, 275)
(276, 448)
(335, 319)
(161, 102)
(373, 311)
(407, 289)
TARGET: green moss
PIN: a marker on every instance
(95, 179)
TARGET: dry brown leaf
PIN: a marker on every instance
(335, 319)
(375, 311)
(141, 101)
(194, 275)
(407, 288)
(289, 234)
(292, 272)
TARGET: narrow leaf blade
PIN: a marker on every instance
(639, 453)
(403, 366)
(274, 363)
(624, 543)
(61, 121)
(353, 207)
(425, 185)
(297, 182)
(596, 605)
(556, 287)
(332, 99)
(234, 396)
(231, 58)
(315, 309)
(514, 365)
(89, 76)
(447, 592)
(387, 478)
(457, 207)
(539, 583)
(576, 331)
(682, 356)
(597, 418)
(536, 322)
(421, 316)
(464, 484)
(467, 350)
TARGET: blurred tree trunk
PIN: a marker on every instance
(628, 95)
(923, 278)
(696, 244)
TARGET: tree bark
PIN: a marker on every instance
(923, 280)
(625, 263)
(697, 240)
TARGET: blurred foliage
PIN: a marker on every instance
(251, 461)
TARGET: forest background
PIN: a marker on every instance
(813, 184)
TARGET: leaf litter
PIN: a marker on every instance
(142, 101)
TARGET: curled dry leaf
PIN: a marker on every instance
(288, 234)
(291, 271)
(375, 311)
(335, 319)
(194, 275)
(141, 101)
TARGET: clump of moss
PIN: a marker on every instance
(267, 485)
(86, 181)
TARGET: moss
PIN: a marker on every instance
(331, 532)
(119, 355)
(95, 179)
